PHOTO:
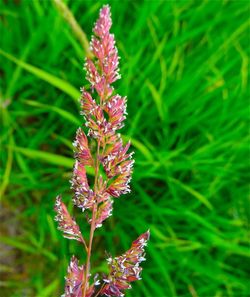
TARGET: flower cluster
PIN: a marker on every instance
(65, 222)
(104, 112)
(104, 116)
(73, 285)
(125, 268)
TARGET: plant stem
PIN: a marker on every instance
(99, 291)
(76, 28)
(84, 244)
(92, 228)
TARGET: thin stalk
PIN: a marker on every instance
(7, 172)
(99, 291)
(92, 228)
(76, 28)
(84, 244)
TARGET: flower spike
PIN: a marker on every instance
(104, 112)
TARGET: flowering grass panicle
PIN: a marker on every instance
(104, 112)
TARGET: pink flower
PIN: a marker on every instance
(66, 223)
(82, 151)
(104, 112)
(104, 212)
(125, 268)
(74, 280)
(84, 196)
(106, 115)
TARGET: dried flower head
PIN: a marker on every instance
(104, 112)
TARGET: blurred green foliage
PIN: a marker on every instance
(184, 67)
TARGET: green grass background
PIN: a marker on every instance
(184, 67)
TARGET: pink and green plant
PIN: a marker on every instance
(112, 165)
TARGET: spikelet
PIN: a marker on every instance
(125, 268)
(74, 279)
(66, 223)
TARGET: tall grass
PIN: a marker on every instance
(185, 71)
